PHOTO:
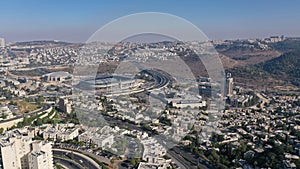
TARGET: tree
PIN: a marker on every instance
(38, 122)
(214, 157)
(1, 130)
(112, 161)
(134, 161)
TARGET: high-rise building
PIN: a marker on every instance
(2, 42)
(21, 152)
(228, 85)
(14, 151)
(65, 105)
(40, 156)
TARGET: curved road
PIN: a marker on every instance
(262, 99)
(161, 80)
(67, 163)
(40, 110)
(79, 158)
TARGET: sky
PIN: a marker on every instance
(77, 20)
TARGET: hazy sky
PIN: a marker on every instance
(74, 20)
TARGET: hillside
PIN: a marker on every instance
(247, 53)
(288, 45)
(286, 67)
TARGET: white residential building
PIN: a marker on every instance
(21, 152)
(41, 156)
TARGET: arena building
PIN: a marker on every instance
(57, 77)
(106, 84)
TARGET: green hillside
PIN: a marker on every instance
(287, 66)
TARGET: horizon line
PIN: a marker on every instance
(78, 42)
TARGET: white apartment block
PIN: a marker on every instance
(20, 152)
(38, 160)
(41, 156)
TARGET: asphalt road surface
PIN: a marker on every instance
(77, 158)
(44, 108)
(68, 163)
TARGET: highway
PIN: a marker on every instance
(176, 154)
(79, 158)
(67, 163)
(66, 146)
(178, 160)
(161, 80)
(180, 155)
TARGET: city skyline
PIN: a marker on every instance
(76, 22)
(149, 84)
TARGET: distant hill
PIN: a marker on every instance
(286, 66)
(288, 45)
(43, 42)
(280, 71)
(247, 53)
(276, 65)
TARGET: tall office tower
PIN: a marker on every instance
(21, 152)
(228, 85)
(2, 42)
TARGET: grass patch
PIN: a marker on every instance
(25, 106)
